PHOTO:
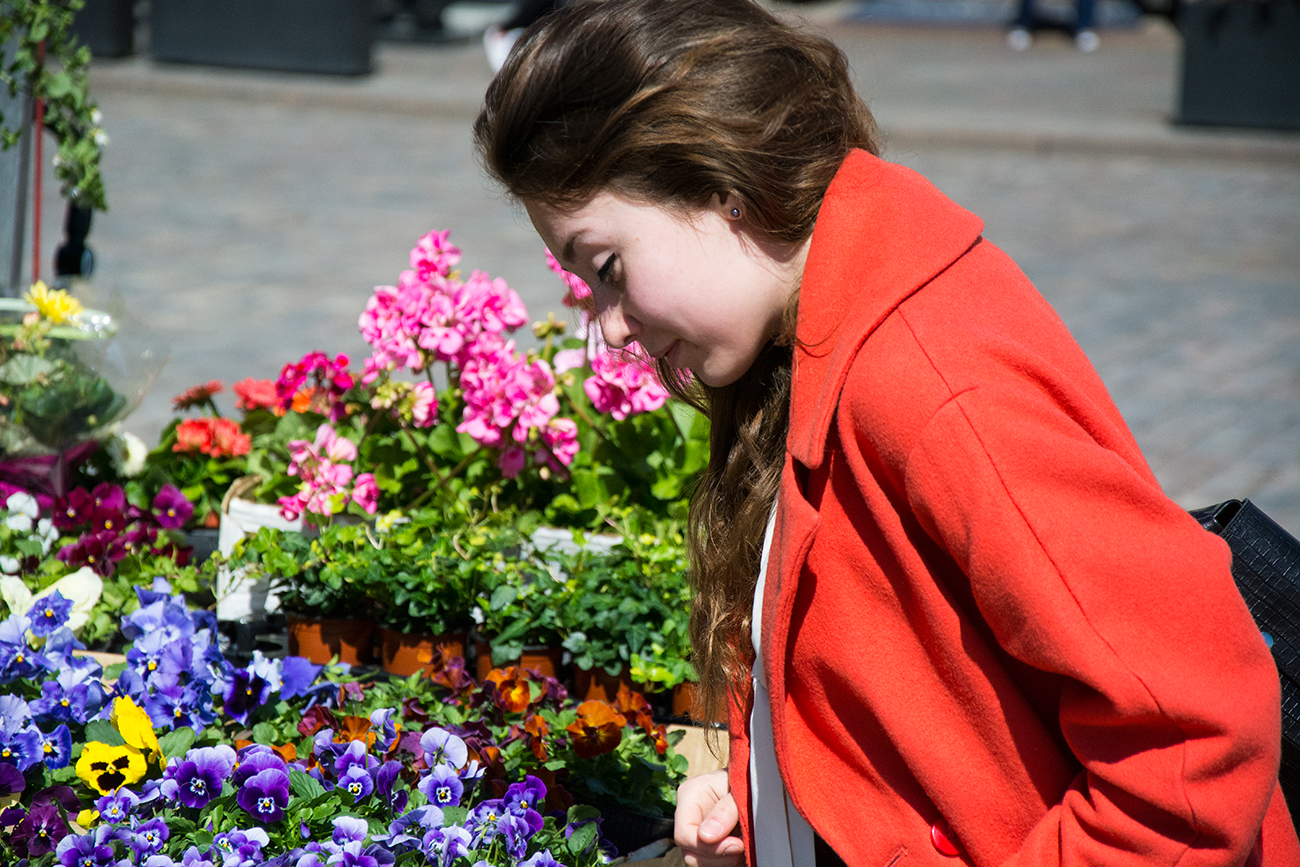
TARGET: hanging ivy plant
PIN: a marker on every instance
(43, 60)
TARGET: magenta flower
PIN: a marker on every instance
(424, 405)
(365, 493)
(579, 292)
(171, 508)
(434, 256)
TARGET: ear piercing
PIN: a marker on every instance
(735, 213)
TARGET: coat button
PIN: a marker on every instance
(941, 836)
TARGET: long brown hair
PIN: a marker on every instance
(671, 102)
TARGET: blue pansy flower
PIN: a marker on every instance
(49, 613)
(265, 795)
(296, 676)
(118, 806)
(56, 747)
(442, 786)
(148, 838)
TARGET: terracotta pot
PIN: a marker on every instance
(404, 655)
(595, 684)
(686, 701)
(320, 638)
(546, 661)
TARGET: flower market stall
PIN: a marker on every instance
(502, 530)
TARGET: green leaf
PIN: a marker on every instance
(176, 742)
(303, 785)
(582, 838)
(102, 730)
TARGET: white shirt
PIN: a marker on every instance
(782, 837)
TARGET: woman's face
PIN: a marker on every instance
(697, 290)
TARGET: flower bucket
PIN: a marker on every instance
(238, 598)
(403, 654)
(546, 661)
(319, 639)
(628, 831)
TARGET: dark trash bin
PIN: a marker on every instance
(322, 36)
(1241, 63)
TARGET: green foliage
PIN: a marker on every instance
(49, 64)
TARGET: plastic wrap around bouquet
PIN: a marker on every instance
(66, 378)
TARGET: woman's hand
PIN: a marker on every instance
(706, 816)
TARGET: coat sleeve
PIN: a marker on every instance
(1083, 568)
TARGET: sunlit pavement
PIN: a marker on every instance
(252, 213)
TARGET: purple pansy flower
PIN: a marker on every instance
(254, 759)
(240, 848)
(88, 850)
(148, 838)
(245, 693)
(543, 858)
(265, 795)
(49, 613)
(515, 831)
(41, 830)
(357, 782)
(442, 846)
(56, 747)
(296, 676)
(385, 777)
(528, 795)
(440, 745)
(197, 778)
(354, 754)
(442, 786)
(117, 807)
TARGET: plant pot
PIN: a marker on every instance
(238, 598)
(320, 639)
(327, 36)
(403, 654)
(686, 701)
(1241, 63)
(546, 661)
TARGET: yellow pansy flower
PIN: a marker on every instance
(135, 727)
(54, 304)
(88, 818)
(106, 769)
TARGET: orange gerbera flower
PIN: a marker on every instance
(597, 730)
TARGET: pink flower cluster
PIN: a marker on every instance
(431, 316)
(622, 388)
(507, 397)
(579, 293)
(316, 383)
(325, 467)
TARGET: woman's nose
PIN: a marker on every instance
(616, 326)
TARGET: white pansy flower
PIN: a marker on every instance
(23, 511)
(15, 594)
(128, 452)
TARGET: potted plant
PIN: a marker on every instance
(326, 605)
(626, 617)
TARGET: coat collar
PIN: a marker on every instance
(882, 233)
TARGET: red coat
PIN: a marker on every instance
(983, 614)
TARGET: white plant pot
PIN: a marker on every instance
(239, 597)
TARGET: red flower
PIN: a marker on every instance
(255, 394)
(315, 719)
(228, 440)
(536, 729)
(194, 435)
(597, 730)
(198, 395)
(513, 694)
(219, 437)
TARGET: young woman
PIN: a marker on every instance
(947, 608)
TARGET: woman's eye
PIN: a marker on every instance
(606, 269)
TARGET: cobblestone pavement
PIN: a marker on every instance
(251, 214)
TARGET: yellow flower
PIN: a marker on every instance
(56, 305)
(88, 819)
(106, 769)
(135, 727)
